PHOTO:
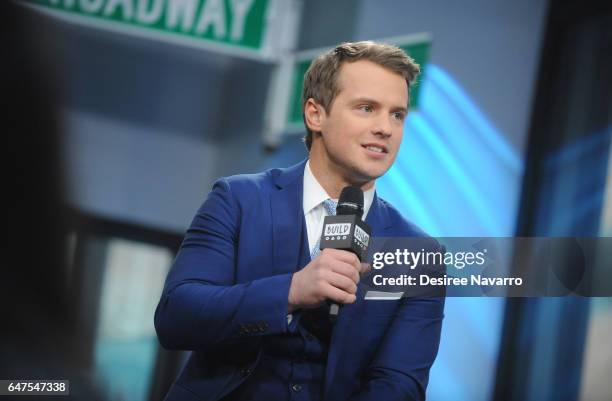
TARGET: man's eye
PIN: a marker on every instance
(399, 115)
(366, 108)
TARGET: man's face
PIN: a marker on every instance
(363, 130)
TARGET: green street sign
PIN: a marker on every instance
(416, 46)
(236, 23)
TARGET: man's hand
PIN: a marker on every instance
(332, 275)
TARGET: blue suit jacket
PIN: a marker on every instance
(229, 284)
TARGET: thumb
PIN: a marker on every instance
(365, 268)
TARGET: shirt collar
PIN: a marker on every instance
(314, 194)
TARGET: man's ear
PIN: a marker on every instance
(314, 114)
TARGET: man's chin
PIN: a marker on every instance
(374, 172)
(365, 176)
(363, 172)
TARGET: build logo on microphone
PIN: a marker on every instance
(362, 237)
(337, 229)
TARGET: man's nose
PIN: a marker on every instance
(382, 126)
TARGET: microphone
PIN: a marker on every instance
(346, 230)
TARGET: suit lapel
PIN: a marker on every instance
(378, 219)
(287, 217)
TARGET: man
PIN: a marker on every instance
(248, 290)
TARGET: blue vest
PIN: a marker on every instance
(292, 365)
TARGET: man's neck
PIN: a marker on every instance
(332, 180)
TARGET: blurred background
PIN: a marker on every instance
(120, 115)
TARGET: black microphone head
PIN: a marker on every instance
(350, 201)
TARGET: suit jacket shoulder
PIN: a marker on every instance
(249, 185)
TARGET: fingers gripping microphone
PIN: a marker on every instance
(346, 230)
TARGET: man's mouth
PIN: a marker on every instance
(376, 148)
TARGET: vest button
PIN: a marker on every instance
(296, 387)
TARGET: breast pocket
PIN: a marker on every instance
(378, 309)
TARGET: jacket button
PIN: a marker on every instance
(296, 387)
